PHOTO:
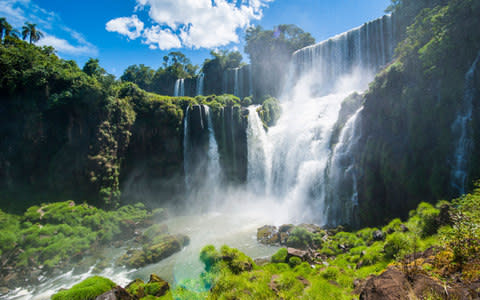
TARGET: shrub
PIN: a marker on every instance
(464, 237)
(294, 261)
(209, 256)
(330, 273)
(428, 215)
(280, 256)
(396, 244)
(236, 261)
(393, 226)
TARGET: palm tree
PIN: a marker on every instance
(30, 30)
(10, 31)
(3, 26)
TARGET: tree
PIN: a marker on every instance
(7, 30)
(139, 74)
(269, 52)
(92, 67)
(214, 68)
(3, 26)
(31, 31)
(179, 65)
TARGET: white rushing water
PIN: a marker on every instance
(462, 128)
(200, 84)
(214, 171)
(366, 48)
(300, 150)
(186, 149)
(259, 160)
(179, 89)
(238, 81)
(341, 169)
(304, 168)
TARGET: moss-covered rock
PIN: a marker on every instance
(160, 247)
(88, 289)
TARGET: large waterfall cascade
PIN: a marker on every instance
(462, 128)
(304, 168)
(179, 90)
(366, 48)
(294, 162)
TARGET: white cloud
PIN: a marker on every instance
(65, 40)
(197, 23)
(129, 26)
(162, 39)
(64, 46)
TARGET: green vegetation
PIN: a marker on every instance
(88, 289)
(56, 236)
(270, 111)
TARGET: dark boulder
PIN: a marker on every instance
(378, 235)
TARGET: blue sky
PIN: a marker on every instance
(125, 32)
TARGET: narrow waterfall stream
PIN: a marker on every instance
(259, 160)
(463, 130)
(179, 89)
(200, 84)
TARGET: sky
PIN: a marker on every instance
(125, 32)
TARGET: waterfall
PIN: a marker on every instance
(236, 90)
(368, 47)
(250, 81)
(258, 173)
(200, 83)
(462, 128)
(179, 90)
(304, 168)
(342, 173)
(238, 81)
(213, 165)
(201, 155)
(186, 149)
(225, 82)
